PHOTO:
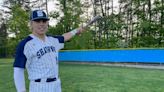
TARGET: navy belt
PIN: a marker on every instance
(47, 80)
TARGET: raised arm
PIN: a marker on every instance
(69, 35)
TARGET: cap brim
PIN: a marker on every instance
(43, 18)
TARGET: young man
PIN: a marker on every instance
(38, 53)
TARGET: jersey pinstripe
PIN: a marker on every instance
(40, 58)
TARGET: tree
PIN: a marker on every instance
(3, 40)
(3, 35)
(71, 19)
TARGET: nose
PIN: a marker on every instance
(41, 23)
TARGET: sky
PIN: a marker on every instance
(1, 3)
(52, 7)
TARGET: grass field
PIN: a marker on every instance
(94, 78)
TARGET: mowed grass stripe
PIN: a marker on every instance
(94, 78)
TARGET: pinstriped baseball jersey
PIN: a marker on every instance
(40, 58)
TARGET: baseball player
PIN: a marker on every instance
(38, 53)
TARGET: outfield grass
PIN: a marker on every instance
(94, 78)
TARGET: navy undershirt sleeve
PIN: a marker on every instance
(60, 38)
(20, 58)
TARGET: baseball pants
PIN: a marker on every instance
(43, 86)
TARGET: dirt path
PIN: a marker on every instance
(133, 65)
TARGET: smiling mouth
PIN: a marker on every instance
(42, 29)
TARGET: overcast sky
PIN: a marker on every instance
(1, 3)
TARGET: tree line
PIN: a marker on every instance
(130, 24)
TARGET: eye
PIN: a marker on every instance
(44, 21)
(40, 20)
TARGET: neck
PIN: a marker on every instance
(40, 36)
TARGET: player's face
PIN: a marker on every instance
(39, 27)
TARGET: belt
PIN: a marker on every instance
(47, 80)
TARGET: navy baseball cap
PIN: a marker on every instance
(38, 14)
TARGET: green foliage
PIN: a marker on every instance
(18, 23)
(68, 22)
(3, 39)
(80, 42)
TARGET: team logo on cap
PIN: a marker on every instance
(40, 13)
